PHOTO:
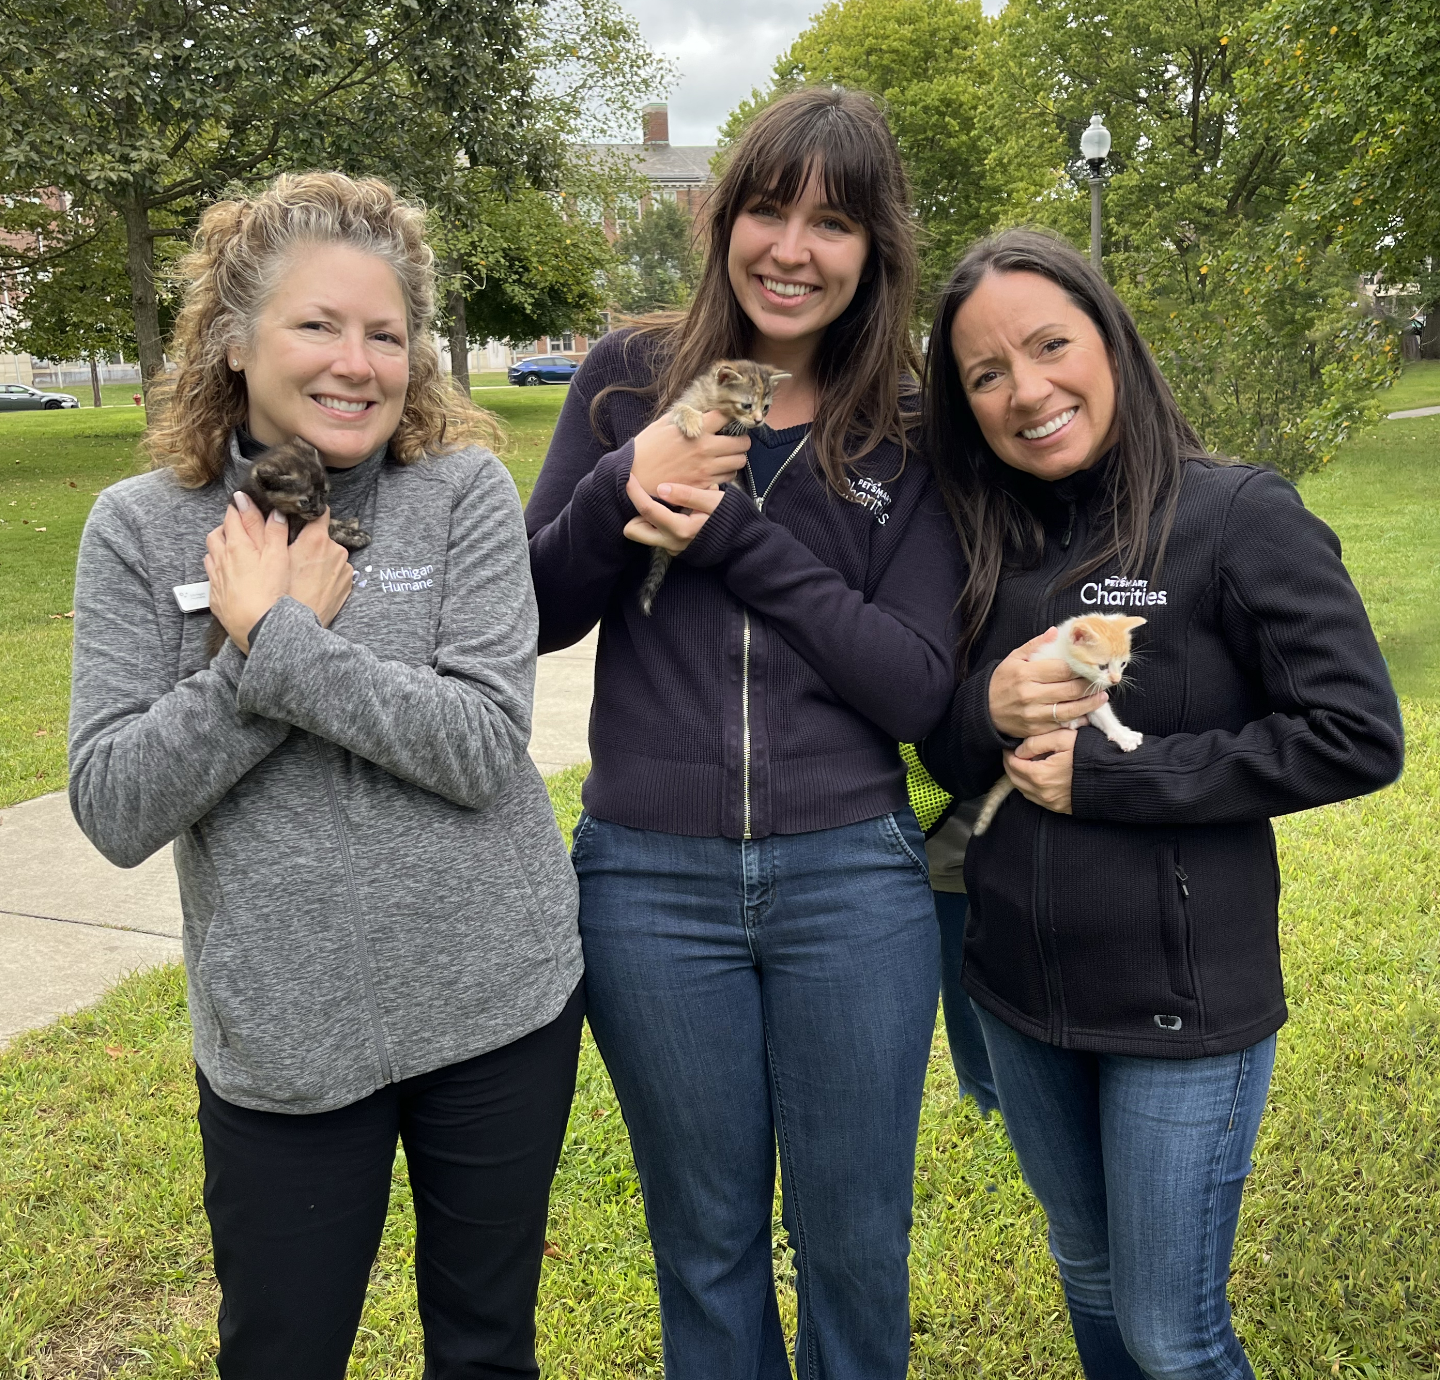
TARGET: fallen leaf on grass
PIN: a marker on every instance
(554, 1251)
(72, 484)
(71, 614)
(39, 529)
(39, 775)
(116, 1051)
(43, 732)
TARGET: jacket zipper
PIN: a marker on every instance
(1053, 987)
(745, 647)
(371, 1001)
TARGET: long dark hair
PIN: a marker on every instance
(867, 362)
(1152, 437)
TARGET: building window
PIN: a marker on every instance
(567, 342)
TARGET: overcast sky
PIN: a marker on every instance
(723, 48)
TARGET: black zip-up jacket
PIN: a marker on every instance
(1146, 921)
(794, 642)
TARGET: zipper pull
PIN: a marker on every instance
(1182, 878)
(1069, 529)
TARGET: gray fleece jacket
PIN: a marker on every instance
(372, 879)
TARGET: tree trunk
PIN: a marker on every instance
(1430, 335)
(140, 269)
(95, 382)
(459, 341)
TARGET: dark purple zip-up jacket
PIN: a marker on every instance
(793, 644)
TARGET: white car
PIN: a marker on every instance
(17, 397)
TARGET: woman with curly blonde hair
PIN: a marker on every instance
(380, 935)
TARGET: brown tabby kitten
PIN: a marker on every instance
(740, 389)
(1096, 648)
(291, 479)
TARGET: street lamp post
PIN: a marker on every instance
(1094, 145)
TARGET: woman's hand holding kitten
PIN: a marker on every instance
(1028, 698)
(660, 526)
(247, 561)
(251, 564)
(321, 576)
(1043, 767)
(664, 454)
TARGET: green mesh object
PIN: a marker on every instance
(928, 799)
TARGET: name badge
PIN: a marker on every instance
(193, 597)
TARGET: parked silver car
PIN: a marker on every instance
(16, 397)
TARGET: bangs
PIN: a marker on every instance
(826, 143)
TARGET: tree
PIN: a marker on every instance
(658, 266)
(1353, 88)
(928, 61)
(1261, 333)
(76, 305)
(140, 109)
(529, 259)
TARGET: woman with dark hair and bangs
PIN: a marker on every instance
(1122, 947)
(760, 942)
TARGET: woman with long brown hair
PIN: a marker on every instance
(1122, 947)
(760, 942)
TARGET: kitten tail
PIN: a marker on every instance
(660, 560)
(993, 801)
(214, 639)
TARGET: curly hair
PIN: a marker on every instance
(241, 249)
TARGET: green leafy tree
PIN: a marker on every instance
(1262, 337)
(928, 61)
(530, 258)
(76, 305)
(140, 109)
(1353, 89)
(657, 262)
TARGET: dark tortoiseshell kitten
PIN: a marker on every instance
(740, 389)
(291, 479)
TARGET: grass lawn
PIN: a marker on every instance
(104, 1265)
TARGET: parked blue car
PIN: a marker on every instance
(542, 369)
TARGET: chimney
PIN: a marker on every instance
(655, 121)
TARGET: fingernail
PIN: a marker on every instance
(664, 490)
(276, 515)
(242, 502)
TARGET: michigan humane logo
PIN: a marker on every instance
(398, 579)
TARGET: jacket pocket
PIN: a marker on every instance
(1174, 910)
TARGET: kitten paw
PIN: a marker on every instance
(689, 421)
(346, 532)
(1127, 739)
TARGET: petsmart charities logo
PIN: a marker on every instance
(405, 579)
(871, 495)
(1119, 592)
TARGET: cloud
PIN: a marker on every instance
(722, 51)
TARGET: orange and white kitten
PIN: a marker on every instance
(1096, 648)
(742, 390)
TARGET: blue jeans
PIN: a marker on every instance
(962, 1025)
(743, 993)
(1139, 1165)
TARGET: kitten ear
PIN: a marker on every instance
(1128, 623)
(777, 374)
(726, 374)
(1080, 633)
(303, 447)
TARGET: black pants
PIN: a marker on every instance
(297, 1205)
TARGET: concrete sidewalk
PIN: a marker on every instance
(72, 924)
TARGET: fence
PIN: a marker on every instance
(72, 374)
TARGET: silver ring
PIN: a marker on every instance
(1055, 712)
